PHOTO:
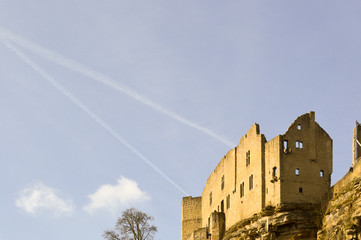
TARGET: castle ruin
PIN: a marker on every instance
(295, 167)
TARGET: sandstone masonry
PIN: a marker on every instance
(293, 168)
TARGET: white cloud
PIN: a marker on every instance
(113, 197)
(39, 197)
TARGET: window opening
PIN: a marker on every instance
(241, 187)
(222, 183)
(297, 171)
(251, 182)
(274, 172)
(228, 201)
(222, 206)
(322, 174)
(248, 157)
(300, 190)
(285, 144)
(210, 198)
(299, 144)
(299, 127)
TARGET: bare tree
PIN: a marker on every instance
(133, 225)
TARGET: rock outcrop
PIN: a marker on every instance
(342, 217)
(286, 221)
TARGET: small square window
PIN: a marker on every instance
(299, 144)
(299, 127)
(297, 172)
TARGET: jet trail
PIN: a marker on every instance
(86, 71)
(90, 113)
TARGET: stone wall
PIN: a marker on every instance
(306, 165)
(191, 216)
(356, 139)
(274, 151)
(224, 184)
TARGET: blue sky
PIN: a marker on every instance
(220, 66)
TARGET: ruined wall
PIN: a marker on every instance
(191, 216)
(217, 228)
(352, 174)
(199, 234)
(235, 169)
(220, 184)
(258, 174)
(274, 150)
(356, 139)
(253, 199)
(306, 165)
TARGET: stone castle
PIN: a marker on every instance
(293, 168)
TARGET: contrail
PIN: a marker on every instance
(90, 113)
(84, 70)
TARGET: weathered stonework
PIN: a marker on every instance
(338, 217)
(293, 168)
(283, 222)
(191, 216)
(356, 146)
(342, 208)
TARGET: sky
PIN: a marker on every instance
(112, 104)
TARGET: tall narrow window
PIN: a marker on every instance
(248, 157)
(228, 201)
(241, 187)
(322, 174)
(251, 182)
(210, 198)
(297, 171)
(285, 144)
(300, 190)
(274, 172)
(222, 182)
(222, 206)
(299, 127)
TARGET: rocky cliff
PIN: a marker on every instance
(342, 217)
(286, 221)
